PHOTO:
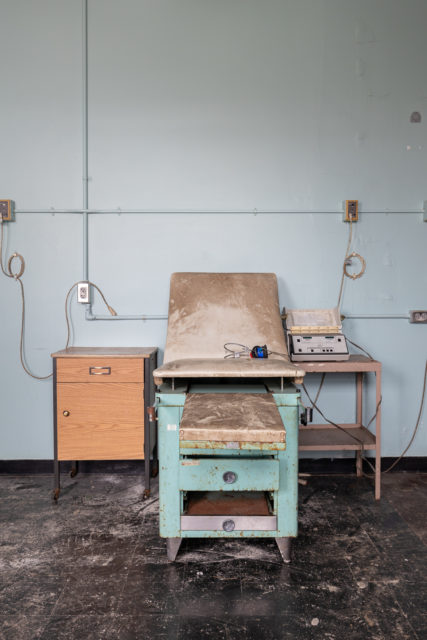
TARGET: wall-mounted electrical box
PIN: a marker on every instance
(83, 292)
(7, 212)
(418, 316)
(351, 211)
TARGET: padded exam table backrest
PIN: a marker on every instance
(207, 310)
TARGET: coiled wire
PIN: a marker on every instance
(17, 275)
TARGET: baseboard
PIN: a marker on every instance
(320, 466)
(327, 466)
(44, 467)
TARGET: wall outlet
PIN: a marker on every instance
(351, 211)
(83, 292)
(418, 316)
(7, 212)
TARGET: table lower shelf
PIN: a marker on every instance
(220, 511)
(325, 437)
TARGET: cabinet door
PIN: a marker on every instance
(100, 421)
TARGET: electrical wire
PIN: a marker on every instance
(17, 276)
(314, 405)
(359, 347)
(67, 319)
(417, 424)
(414, 433)
(347, 251)
(282, 355)
(359, 274)
(322, 380)
(1, 250)
(246, 351)
(348, 255)
(334, 424)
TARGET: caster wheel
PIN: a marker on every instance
(154, 468)
(73, 472)
(146, 494)
(56, 494)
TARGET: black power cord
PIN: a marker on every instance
(341, 428)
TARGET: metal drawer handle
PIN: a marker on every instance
(228, 525)
(229, 477)
(99, 371)
(66, 413)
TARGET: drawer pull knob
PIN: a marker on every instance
(229, 477)
(228, 525)
(99, 371)
(66, 413)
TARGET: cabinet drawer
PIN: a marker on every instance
(100, 370)
(228, 474)
(100, 422)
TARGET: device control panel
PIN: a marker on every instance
(317, 347)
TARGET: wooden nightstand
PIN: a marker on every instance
(101, 397)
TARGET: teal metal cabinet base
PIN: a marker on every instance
(212, 489)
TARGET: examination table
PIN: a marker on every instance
(228, 427)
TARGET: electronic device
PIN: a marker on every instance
(315, 335)
(317, 347)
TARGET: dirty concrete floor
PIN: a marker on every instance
(93, 566)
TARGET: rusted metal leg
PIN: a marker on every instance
(148, 419)
(378, 437)
(154, 468)
(359, 463)
(147, 463)
(172, 546)
(359, 398)
(74, 469)
(56, 488)
(284, 545)
(359, 418)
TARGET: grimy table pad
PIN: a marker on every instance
(231, 417)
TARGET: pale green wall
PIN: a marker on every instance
(214, 105)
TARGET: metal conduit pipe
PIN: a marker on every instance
(85, 143)
(91, 316)
(254, 212)
(376, 316)
(50, 211)
(366, 316)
